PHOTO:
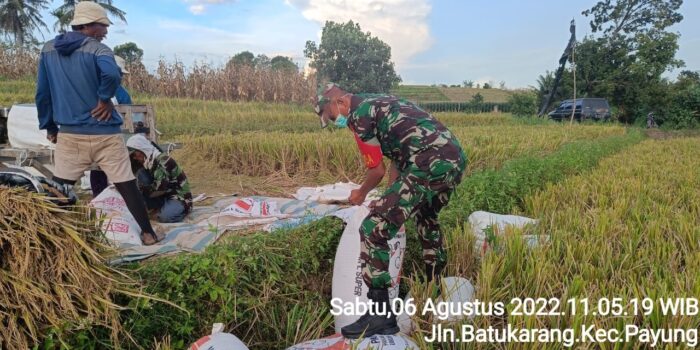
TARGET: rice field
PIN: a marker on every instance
(622, 213)
(334, 152)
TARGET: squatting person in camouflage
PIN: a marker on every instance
(427, 163)
(163, 183)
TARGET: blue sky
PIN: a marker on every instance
(433, 41)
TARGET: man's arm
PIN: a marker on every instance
(43, 103)
(373, 177)
(122, 96)
(110, 78)
(372, 156)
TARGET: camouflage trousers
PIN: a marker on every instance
(420, 193)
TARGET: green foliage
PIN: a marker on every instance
(130, 52)
(261, 61)
(283, 63)
(19, 19)
(633, 17)
(626, 64)
(683, 111)
(353, 59)
(468, 83)
(523, 103)
(244, 58)
(465, 107)
(486, 86)
(477, 99)
(259, 285)
(502, 190)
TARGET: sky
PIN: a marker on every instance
(432, 41)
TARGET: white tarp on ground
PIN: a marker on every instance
(23, 128)
(480, 222)
(205, 224)
(333, 193)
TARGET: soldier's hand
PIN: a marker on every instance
(103, 111)
(357, 197)
(52, 137)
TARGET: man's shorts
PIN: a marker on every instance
(76, 153)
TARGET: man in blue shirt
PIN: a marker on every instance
(76, 81)
(98, 178)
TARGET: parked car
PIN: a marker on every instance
(586, 109)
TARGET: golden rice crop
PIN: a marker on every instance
(334, 152)
(52, 271)
(628, 229)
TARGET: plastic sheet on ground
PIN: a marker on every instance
(333, 193)
(481, 221)
(205, 224)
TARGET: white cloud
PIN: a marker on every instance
(199, 7)
(400, 23)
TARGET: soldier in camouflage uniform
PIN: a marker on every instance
(163, 183)
(427, 163)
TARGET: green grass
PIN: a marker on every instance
(466, 94)
(419, 93)
(425, 93)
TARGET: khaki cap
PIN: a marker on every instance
(87, 12)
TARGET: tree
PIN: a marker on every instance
(687, 79)
(487, 86)
(281, 63)
(626, 63)
(523, 103)
(19, 18)
(130, 52)
(64, 13)
(468, 84)
(244, 58)
(477, 99)
(629, 18)
(502, 85)
(261, 62)
(352, 58)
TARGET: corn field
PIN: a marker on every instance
(17, 64)
(232, 83)
(200, 81)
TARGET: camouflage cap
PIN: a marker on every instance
(322, 99)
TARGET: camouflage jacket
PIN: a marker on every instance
(168, 177)
(409, 136)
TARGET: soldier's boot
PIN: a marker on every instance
(379, 320)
